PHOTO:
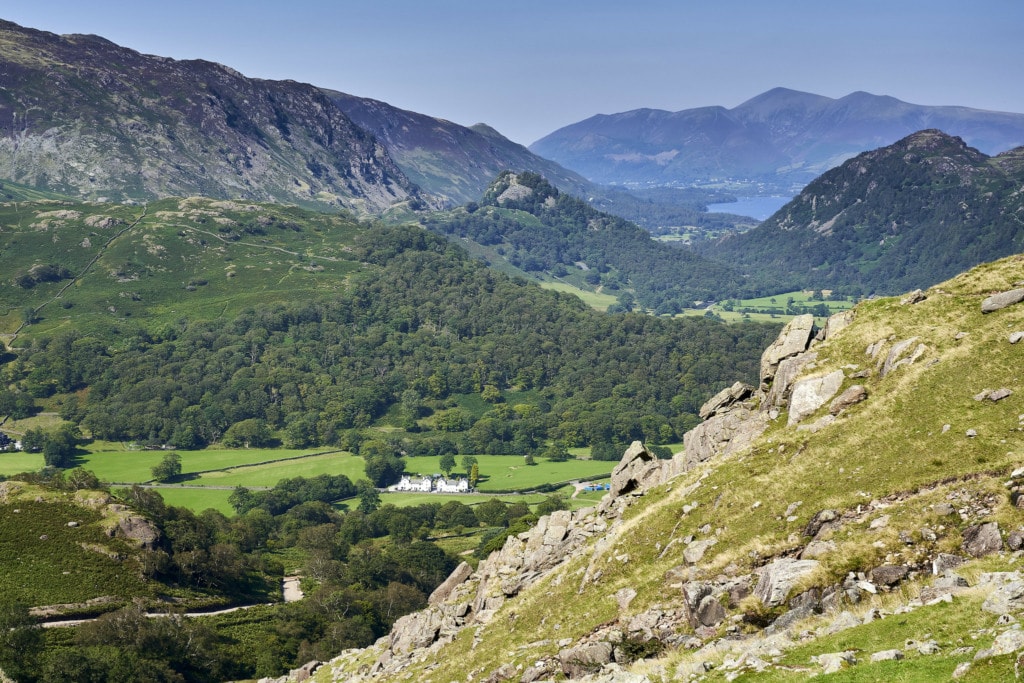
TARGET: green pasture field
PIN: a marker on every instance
(595, 300)
(269, 473)
(504, 472)
(197, 499)
(800, 298)
(114, 462)
(17, 462)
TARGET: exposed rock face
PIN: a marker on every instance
(794, 339)
(1002, 300)
(123, 125)
(138, 529)
(811, 394)
(460, 574)
(725, 398)
(723, 434)
(638, 467)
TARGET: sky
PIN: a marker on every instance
(529, 67)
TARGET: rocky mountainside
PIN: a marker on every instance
(857, 511)
(82, 116)
(781, 138)
(451, 161)
(890, 220)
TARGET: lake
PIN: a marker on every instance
(755, 207)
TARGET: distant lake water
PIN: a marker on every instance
(755, 207)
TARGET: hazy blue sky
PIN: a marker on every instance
(528, 67)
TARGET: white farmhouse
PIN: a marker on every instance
(443, 485)
(407, 483)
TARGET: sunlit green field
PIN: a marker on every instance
(16, 462)
(595, 300)
(509, 472)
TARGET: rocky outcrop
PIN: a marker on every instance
(794, 338)
(725, 398)
(470, 597)
(137, 529)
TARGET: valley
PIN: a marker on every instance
(246, 325)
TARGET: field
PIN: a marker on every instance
(209, 476)
(771, 309)
(595, 300)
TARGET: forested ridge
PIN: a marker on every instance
(429, 325)
(888, 221)
(539, 229)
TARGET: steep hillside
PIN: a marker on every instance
(890, 220)
(781, 139)
(448, 160)
(855, 514)
(82, 116)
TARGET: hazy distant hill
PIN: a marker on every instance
(890, 220)
(783, 138)
(82, 116)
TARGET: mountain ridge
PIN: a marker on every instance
(782, 138)
(86, 117)
(892, 219)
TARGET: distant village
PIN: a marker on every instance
(434, 484)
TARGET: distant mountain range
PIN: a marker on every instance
(781, 139)
(887, 221)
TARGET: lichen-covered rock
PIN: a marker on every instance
(585, 659)
(897, 358)
(982, 539)
(441, 593)
(722, 434)
(638, 469)
(725, 398)
(779, 577)
(811, 394)
(138, 529)
(852, 396)
(1002, 300)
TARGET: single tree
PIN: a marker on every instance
(447, 463)
(168, 468)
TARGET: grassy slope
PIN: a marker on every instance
(891, 448)
(127, 261)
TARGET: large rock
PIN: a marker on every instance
(811, 394)
(138, 529)
(585, 659)
(982, 539)
(1002, 300)
(1006, 591)
(461, 573)
(638, 469)
(795, 338)
(722, 434)
(850, 397)
(779, 577)
(416, 630)
(897, 357)
(725, 398)
(785, 375)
